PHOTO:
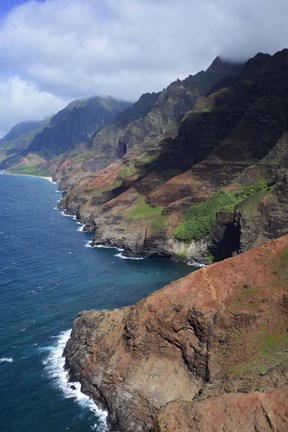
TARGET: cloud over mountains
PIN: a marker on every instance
(57, 50)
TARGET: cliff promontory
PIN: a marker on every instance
(206, 352)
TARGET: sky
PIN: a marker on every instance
(55, 51)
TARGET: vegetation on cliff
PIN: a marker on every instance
(200, 219)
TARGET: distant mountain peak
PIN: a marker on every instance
(221, 62)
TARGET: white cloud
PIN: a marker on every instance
(76, 48)
(21, 100)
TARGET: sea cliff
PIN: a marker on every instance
(210, 349)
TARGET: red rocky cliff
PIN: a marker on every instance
(213, 342)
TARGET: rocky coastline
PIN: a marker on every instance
(208, 350)
(132, 239)
(234, 231)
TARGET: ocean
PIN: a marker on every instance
(47, 275)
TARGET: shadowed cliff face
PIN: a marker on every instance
(69, 130)
(222, 330)
(75, 124)
(157, 116)
(234, 138)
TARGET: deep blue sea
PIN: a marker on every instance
(47, 275)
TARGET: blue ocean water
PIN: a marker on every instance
(47, 275)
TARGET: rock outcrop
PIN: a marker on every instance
(206, 352)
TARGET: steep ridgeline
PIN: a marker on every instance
(67, 149)
(76, 124)
(153, 117)
(217, 188)
(18, 136)
(68, 132)
(207, 352)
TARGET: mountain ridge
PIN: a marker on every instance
(229, 152)
(75, 124)
(153, 116)
(213, 143)
(69, 130)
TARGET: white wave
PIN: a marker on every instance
(73, 216)
(195, 263)
(120, 255)
(88, 244)
(6, 360)
(54, 367)
(80, 228)
(100, 246)
(67, 215)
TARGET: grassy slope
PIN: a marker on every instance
(200, 218)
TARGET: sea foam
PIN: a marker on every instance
(101, 246)
(195, 263)
(120, 255)
(54, 367)
(80, 228)
(6, 360)
(67, 215)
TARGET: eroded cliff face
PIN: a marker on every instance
(234, 137)
(199, 344)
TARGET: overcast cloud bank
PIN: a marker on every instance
(57, 50)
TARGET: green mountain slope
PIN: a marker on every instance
(75, 124)
(71, 127)
(19, 138)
